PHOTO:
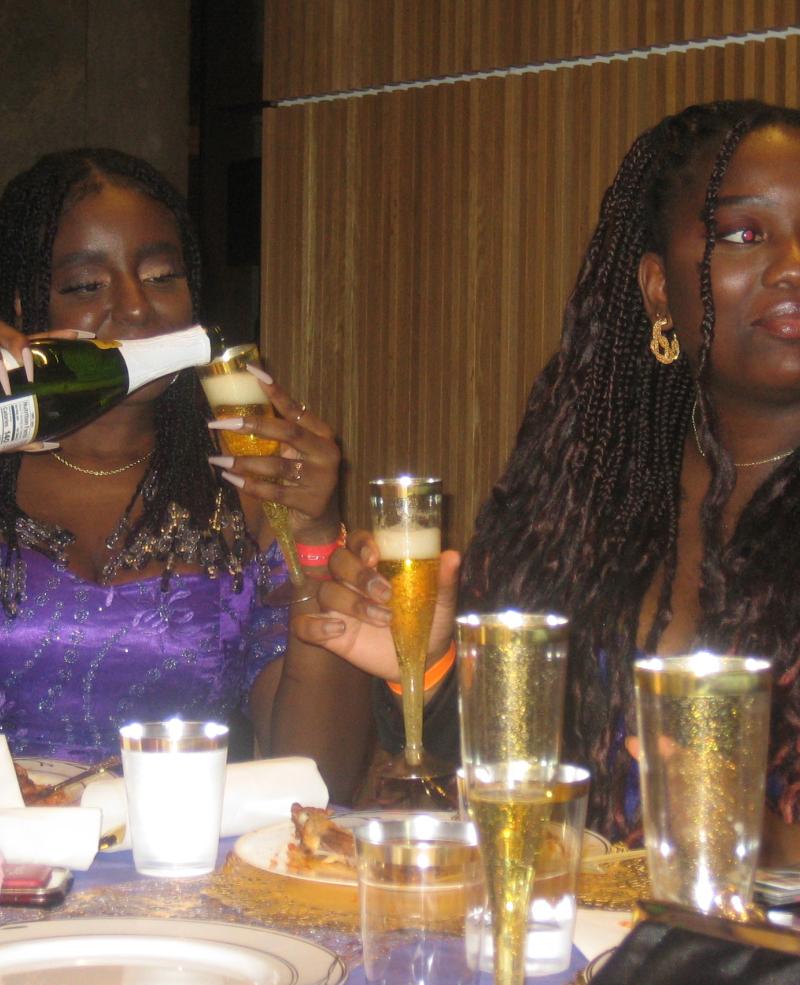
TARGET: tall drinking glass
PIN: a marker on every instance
(233, 392)
(703, 728)
(511, 675)
(406, 523)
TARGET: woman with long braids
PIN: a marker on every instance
(653, 493)
(133, 555)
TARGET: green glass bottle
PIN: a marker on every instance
(77, 380)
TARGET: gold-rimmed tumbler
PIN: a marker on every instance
(703, 723)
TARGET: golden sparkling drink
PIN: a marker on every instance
(238, 394)
(238, 443)
(703, 728)
(512, 672)
(512, 822)
(410, 563)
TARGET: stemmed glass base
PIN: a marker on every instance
(431, 784)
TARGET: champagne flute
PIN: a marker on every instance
(406, 523)
(233, 392)
(511, 675)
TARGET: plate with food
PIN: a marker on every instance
(35, 775)
(316, 846)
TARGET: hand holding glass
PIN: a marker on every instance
(233, 392)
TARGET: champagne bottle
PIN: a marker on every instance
(75, 381)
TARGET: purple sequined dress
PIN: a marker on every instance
(81, 659)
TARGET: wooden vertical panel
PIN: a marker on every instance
(322, 46)
(419, 246)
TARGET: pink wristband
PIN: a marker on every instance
(318, 555)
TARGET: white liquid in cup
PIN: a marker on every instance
(174, 809)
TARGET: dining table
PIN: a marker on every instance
(236, 894)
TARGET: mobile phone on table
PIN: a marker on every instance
(28, 884)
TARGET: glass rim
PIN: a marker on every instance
(226, 360)
(562, 774)
(512, 619)
(702, 664)
(406, 485)
(173, 735)
(419, 828)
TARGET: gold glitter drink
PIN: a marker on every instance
(233, 392)
(511, 673)
(703, 727)
(406, 524)
(511, 669)
(520, 812)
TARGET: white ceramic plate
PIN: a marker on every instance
(266, 847)
(152, 952)
(46, 771)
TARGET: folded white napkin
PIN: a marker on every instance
(10, 794)
(257, 793)
(50, 835)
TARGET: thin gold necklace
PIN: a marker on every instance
(736, 465)
(101, 472)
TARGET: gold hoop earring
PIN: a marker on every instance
(665, 350)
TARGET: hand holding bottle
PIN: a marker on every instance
(77, 378)
(18, 345)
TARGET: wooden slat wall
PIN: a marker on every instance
(419, 246)
(317, 46)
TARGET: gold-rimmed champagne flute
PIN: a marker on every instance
(232, 391)
(511, 676)
(406, 524)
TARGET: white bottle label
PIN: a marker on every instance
(150, 359)
(19, 422)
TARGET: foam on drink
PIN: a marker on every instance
(226, 389)
(398, 543)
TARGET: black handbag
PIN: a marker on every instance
(673, 945)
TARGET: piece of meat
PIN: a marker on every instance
(32, 793)
(318, 833)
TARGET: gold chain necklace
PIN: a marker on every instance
(101, 472)
(736, 465)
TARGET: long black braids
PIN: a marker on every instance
(587, 511)
(30, 210)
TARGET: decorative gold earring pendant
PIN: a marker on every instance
(665, 350)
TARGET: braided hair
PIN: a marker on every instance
(30, 211)
(587, 509)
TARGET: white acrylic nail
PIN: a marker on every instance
(27, 362)
(235, 480)
(228, 424)
(259, 374)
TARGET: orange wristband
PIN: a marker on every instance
(318, 555)
(434, 673)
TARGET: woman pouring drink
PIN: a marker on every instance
(132, 565)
